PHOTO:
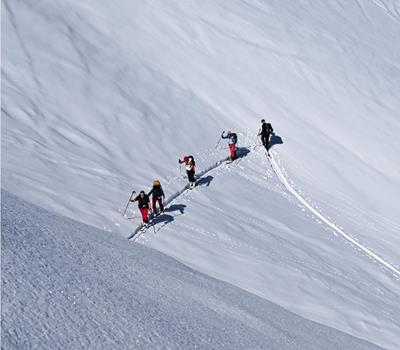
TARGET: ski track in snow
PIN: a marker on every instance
(366, 250)
(286, 185)
(177, 194)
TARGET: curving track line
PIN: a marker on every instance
(285, 182)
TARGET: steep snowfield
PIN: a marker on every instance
(71, 286)
(99, 99)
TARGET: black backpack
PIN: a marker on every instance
(269, 128)
(234, 137)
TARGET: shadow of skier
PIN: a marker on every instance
(242, 152)
(274, 140)
(176, 207)
(205, 181)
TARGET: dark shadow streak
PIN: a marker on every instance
(176, 207)
(204, 181)
(275, 140)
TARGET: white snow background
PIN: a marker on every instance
(100, 98)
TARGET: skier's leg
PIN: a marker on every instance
(232, 151)
(161, 204)
(144, 212)
(264, 140)
(146, 215)
(190, 176)
(154, 204)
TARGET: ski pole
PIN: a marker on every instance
(219, 140)
(127, 205)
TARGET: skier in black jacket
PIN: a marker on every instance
(265, 133)
(158, 196)
(143, 205)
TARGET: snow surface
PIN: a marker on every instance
(98, 100)
(70, 286)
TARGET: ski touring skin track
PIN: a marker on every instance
(142, 229)
(370, 253)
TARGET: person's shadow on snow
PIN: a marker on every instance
(242, 152)
(205, 181)
(176, 207)
(275, 140)
(165, 219)
(162, 218)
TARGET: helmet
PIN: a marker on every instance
(229, 132)
(156, 183)
(185, 158)
(262, 120)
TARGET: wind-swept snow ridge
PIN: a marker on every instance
(373, 255)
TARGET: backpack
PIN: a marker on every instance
(234, 138)
(269, 128)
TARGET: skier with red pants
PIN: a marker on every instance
(158, 196)
(232, 141)
(190, 166)
(143, 205)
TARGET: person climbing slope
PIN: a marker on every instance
(158, 196)
(232, 141)
(265, 133)
(143, 205)
(190, 166)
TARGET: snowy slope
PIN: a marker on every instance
(99, 100)
(71, 286)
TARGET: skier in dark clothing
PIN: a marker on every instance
(158, 196)
(232, 141)
(190, 166)
(143, 205)
(265, 133)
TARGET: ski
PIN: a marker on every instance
(136, 231)
(142, 228)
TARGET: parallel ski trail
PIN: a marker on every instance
(136, 233)
(284, 181)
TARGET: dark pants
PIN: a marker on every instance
(190, 174)
(160, 203)
(265, 140)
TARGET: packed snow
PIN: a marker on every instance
(71, 286)
(99, 100)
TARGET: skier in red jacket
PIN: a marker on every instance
(190, 166)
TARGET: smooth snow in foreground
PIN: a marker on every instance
(66, 285)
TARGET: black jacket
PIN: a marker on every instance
(157, 192)
(143, 202)
(266, 129)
